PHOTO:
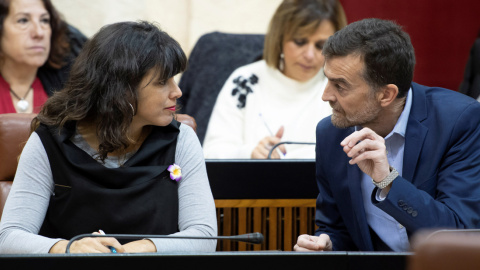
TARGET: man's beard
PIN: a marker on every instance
(367, 115)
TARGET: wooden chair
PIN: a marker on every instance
(14, 132)
(446, 249)
(281, 221)
(215, 56)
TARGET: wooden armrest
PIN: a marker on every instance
(187, 120)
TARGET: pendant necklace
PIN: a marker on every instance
(22, 104)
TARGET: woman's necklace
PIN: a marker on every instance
(22, 104)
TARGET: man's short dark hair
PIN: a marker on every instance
(385, 48)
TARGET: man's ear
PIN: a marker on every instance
(388, 94)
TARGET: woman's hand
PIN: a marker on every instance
(88, 245)
(140, 246)
(265, 145)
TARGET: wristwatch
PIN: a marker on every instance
(389, 179)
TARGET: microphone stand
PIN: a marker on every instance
(287, 142)
(253, 238)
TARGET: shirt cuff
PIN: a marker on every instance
(380, 195)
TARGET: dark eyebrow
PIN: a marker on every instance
(338, 80)
(22, 13)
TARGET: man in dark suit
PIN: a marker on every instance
(394, 157)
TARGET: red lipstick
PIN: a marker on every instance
(171, 108)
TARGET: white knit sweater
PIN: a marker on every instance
(236, 126)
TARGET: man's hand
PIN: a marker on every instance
(307, 242)
(265, 145)
(368, 151)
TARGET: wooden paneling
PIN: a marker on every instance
(281, 221)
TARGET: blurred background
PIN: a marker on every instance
(442, 32)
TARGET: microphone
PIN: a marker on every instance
(287, 142)
(253, 238)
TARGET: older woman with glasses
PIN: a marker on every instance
(36, 50)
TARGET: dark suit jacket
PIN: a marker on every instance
(470, 85)
(440, 185)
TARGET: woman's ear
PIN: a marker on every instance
(388, 94)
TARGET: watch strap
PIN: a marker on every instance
(389, 179)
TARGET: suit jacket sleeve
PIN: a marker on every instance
(450, 196)
(329, 220)
(328, 217)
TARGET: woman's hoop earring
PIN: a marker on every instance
(133, 110)
(281, 63)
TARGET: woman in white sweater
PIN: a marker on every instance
(277, 99)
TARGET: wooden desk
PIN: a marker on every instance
(215, 260)
(274, 197)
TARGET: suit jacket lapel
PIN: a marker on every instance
(416, 132)
(354, 176)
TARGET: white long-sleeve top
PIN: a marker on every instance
(236, 125)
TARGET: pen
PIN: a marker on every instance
(112, 249)
(271, 134)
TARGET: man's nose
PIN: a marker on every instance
(328, 93)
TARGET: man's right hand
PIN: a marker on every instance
(307, 242)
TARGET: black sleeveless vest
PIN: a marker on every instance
(137, 198)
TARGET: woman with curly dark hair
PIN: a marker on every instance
(36, 49)
(107, 154)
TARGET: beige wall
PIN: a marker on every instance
(185, 20)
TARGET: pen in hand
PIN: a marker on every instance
(271, 134)
(112, 249)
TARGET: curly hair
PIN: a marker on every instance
(59, 44)
(105, 79)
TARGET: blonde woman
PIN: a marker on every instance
(278, 98)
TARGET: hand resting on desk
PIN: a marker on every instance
(307, 242)
(100, 245)
(89, 245)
